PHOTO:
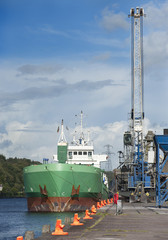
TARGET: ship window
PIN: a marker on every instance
(84, 153)
(70, 155)
(79, 153)
(89, 153)
(75, 153)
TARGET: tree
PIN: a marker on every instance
(11, 175)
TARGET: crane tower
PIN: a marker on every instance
(133, 178)
(137, 97)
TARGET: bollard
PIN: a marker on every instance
(102, 203)
(29, 235)
(76, 220)
(119, 207)
(93, 210)
(87, 215)
(46, 229)
(98, 205)
(19, 238)
(59, 228)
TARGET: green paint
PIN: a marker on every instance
(62, 153)
(60, 178)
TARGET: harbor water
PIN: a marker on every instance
(15, 220)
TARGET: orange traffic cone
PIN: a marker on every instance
(19, 238)
(59, 228)
(93, 210)
(102, 203)
(108, 202)
(111, 200)
(105, 203)
(76, 220)
(87, 215)
(98, 205)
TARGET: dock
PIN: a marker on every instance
(137, 221)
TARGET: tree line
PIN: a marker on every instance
(11, 175)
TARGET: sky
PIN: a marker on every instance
(58, 57)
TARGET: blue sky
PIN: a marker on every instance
(47, 29)
(60, 57)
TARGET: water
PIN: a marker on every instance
(15, 220)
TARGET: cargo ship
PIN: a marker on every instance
(73, 182)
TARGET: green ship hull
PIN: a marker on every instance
(63, 187)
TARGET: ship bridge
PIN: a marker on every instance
(84, 155)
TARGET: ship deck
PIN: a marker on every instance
(138, 221)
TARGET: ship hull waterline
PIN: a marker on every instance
(59, 204)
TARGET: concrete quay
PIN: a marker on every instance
(138, 221)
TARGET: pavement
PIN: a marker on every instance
(138, 221)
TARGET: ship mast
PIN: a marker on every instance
(62, 135)
(81, 134)
(81, 138)
(81, 123)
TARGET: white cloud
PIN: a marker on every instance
(156, 50)
(156, 15)
(36, 140)
(32, 140)
(112, 21)
(156, 36)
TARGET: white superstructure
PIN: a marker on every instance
(82, 151)
(84, 155)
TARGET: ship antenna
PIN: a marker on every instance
(62, 136)
(81, 135)
(81, 124)
(88, 136)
